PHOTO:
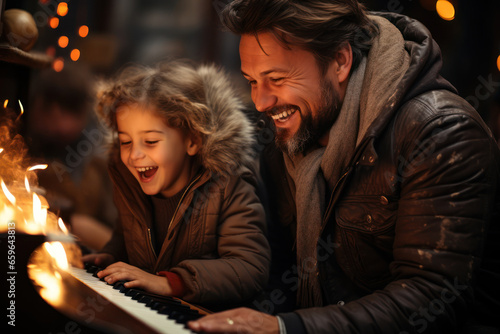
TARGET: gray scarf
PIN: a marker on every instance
(370, 88)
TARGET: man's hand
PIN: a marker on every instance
(240, 320)
(101, 259)
(137, 278)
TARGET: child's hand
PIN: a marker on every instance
(100, 260)
(137, 278)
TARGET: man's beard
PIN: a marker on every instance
(311, 130)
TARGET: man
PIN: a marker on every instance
(392, 179)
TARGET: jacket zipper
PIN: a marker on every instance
(175, 212)
(180, 201)
(330, 204)
(151, 244)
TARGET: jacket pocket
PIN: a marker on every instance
(365, 231)
(372, 214)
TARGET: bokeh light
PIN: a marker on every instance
(58, 64)
(75, 54)
(62, 9)
(54, 22)
(63, 41)
(83, 31)
(445, 10)
(50, 51)
(498, 63)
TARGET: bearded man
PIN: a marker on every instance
(388, 179)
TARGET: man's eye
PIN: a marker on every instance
(277, 80)
(252, 82)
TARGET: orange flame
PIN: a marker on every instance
(56, 250)
(35, 167)
(8, 194)
(62, 226)
(27, 184)
(39, 213)
(22, 110)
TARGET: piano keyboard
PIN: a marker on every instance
(162, 314)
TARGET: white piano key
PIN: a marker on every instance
(153, 319)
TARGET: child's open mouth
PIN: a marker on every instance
(146, 173)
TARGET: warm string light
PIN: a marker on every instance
(63, 41)
(5, 103)
(83, 31)
(62, 9)
(75, 54)
(445, 10)
(58, 64)
(54, 22)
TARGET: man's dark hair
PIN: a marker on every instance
(319, 26)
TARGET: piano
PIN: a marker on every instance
(86, 304)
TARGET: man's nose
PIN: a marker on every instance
(263, 98)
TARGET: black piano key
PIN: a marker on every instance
(154, 305)
(137, 296)
(132, 292)
(144, 299)
(185, 318)
(164, 299)
(92, 269)
(178, 313)
(168, 309)
(118, 285)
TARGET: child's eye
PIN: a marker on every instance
(151, 142)
(124, 143)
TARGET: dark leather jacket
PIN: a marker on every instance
(411, 227)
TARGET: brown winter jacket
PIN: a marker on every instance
(216, 241)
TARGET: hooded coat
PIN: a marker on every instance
(409, 240)
(215, 241)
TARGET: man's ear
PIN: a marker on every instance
(193, 143)
(343, 63)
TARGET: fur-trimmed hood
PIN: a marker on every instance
(210, 102)
(229, 144)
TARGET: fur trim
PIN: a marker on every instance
(230, 143)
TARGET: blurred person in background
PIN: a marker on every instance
(61, 132)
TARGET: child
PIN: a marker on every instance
(191, 224)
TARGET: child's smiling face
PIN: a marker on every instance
(159, 156)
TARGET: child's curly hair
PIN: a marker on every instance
(174, 90)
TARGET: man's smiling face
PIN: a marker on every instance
(288, 86)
